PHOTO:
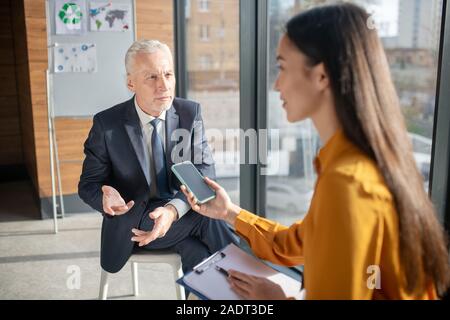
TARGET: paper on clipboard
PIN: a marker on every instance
(212, 284)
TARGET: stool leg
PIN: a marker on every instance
(178, 273)
(134, 272)
(103, 292)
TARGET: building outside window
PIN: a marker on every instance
(204, 32)
(205, 62)
(213, 81)
(203, 5)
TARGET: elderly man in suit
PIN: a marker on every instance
(126, 173)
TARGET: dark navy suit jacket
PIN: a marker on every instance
(116, 156)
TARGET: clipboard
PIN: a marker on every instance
(199, 269)
(209, 283)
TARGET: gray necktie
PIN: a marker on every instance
(159, 160)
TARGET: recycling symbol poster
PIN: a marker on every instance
(70, 16)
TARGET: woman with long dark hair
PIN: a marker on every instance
(370, 217)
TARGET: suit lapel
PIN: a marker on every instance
(133, 129)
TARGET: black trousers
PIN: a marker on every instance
(194, 237)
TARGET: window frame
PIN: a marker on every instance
(202, 7)
(440, 156)
(205, 32)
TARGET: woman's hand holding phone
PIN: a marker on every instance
(220, 207)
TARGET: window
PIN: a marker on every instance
(204, 32)
(213, 81)
(410, 31)
(221, 32)
(203, 5)
(205, 62)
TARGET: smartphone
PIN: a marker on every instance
(188, 175)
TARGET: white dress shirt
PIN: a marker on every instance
(147, 130)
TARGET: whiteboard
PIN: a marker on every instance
(85, 94)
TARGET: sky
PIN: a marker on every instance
(385, 14)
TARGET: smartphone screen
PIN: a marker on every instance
(188, 175)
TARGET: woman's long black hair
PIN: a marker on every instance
(342, 38)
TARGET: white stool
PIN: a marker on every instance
(146, 256)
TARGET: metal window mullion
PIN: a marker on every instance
(180, 47)
(261, 91)
(247, 93)
(441, 145)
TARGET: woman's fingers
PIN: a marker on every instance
(191, 199)
(193, 202)
(189, 195)
(212, 184)
(186, 193)
(242, 293)
(197, 208)
(241, 288)
(242, 277)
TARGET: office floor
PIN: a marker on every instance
(37, 264)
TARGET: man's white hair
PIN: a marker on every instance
(145, 46)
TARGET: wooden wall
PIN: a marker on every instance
(154, 20)
(10, 135)
(33, 92)
(23, 89)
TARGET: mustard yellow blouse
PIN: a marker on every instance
(349, 236)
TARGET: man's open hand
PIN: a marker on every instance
(113, 203)
(164, 217)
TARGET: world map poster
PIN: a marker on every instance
(107, 16)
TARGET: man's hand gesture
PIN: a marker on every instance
(163, 217)
(113, 203)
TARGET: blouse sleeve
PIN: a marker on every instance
(270, 240)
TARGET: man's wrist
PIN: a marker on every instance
(172, 209)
